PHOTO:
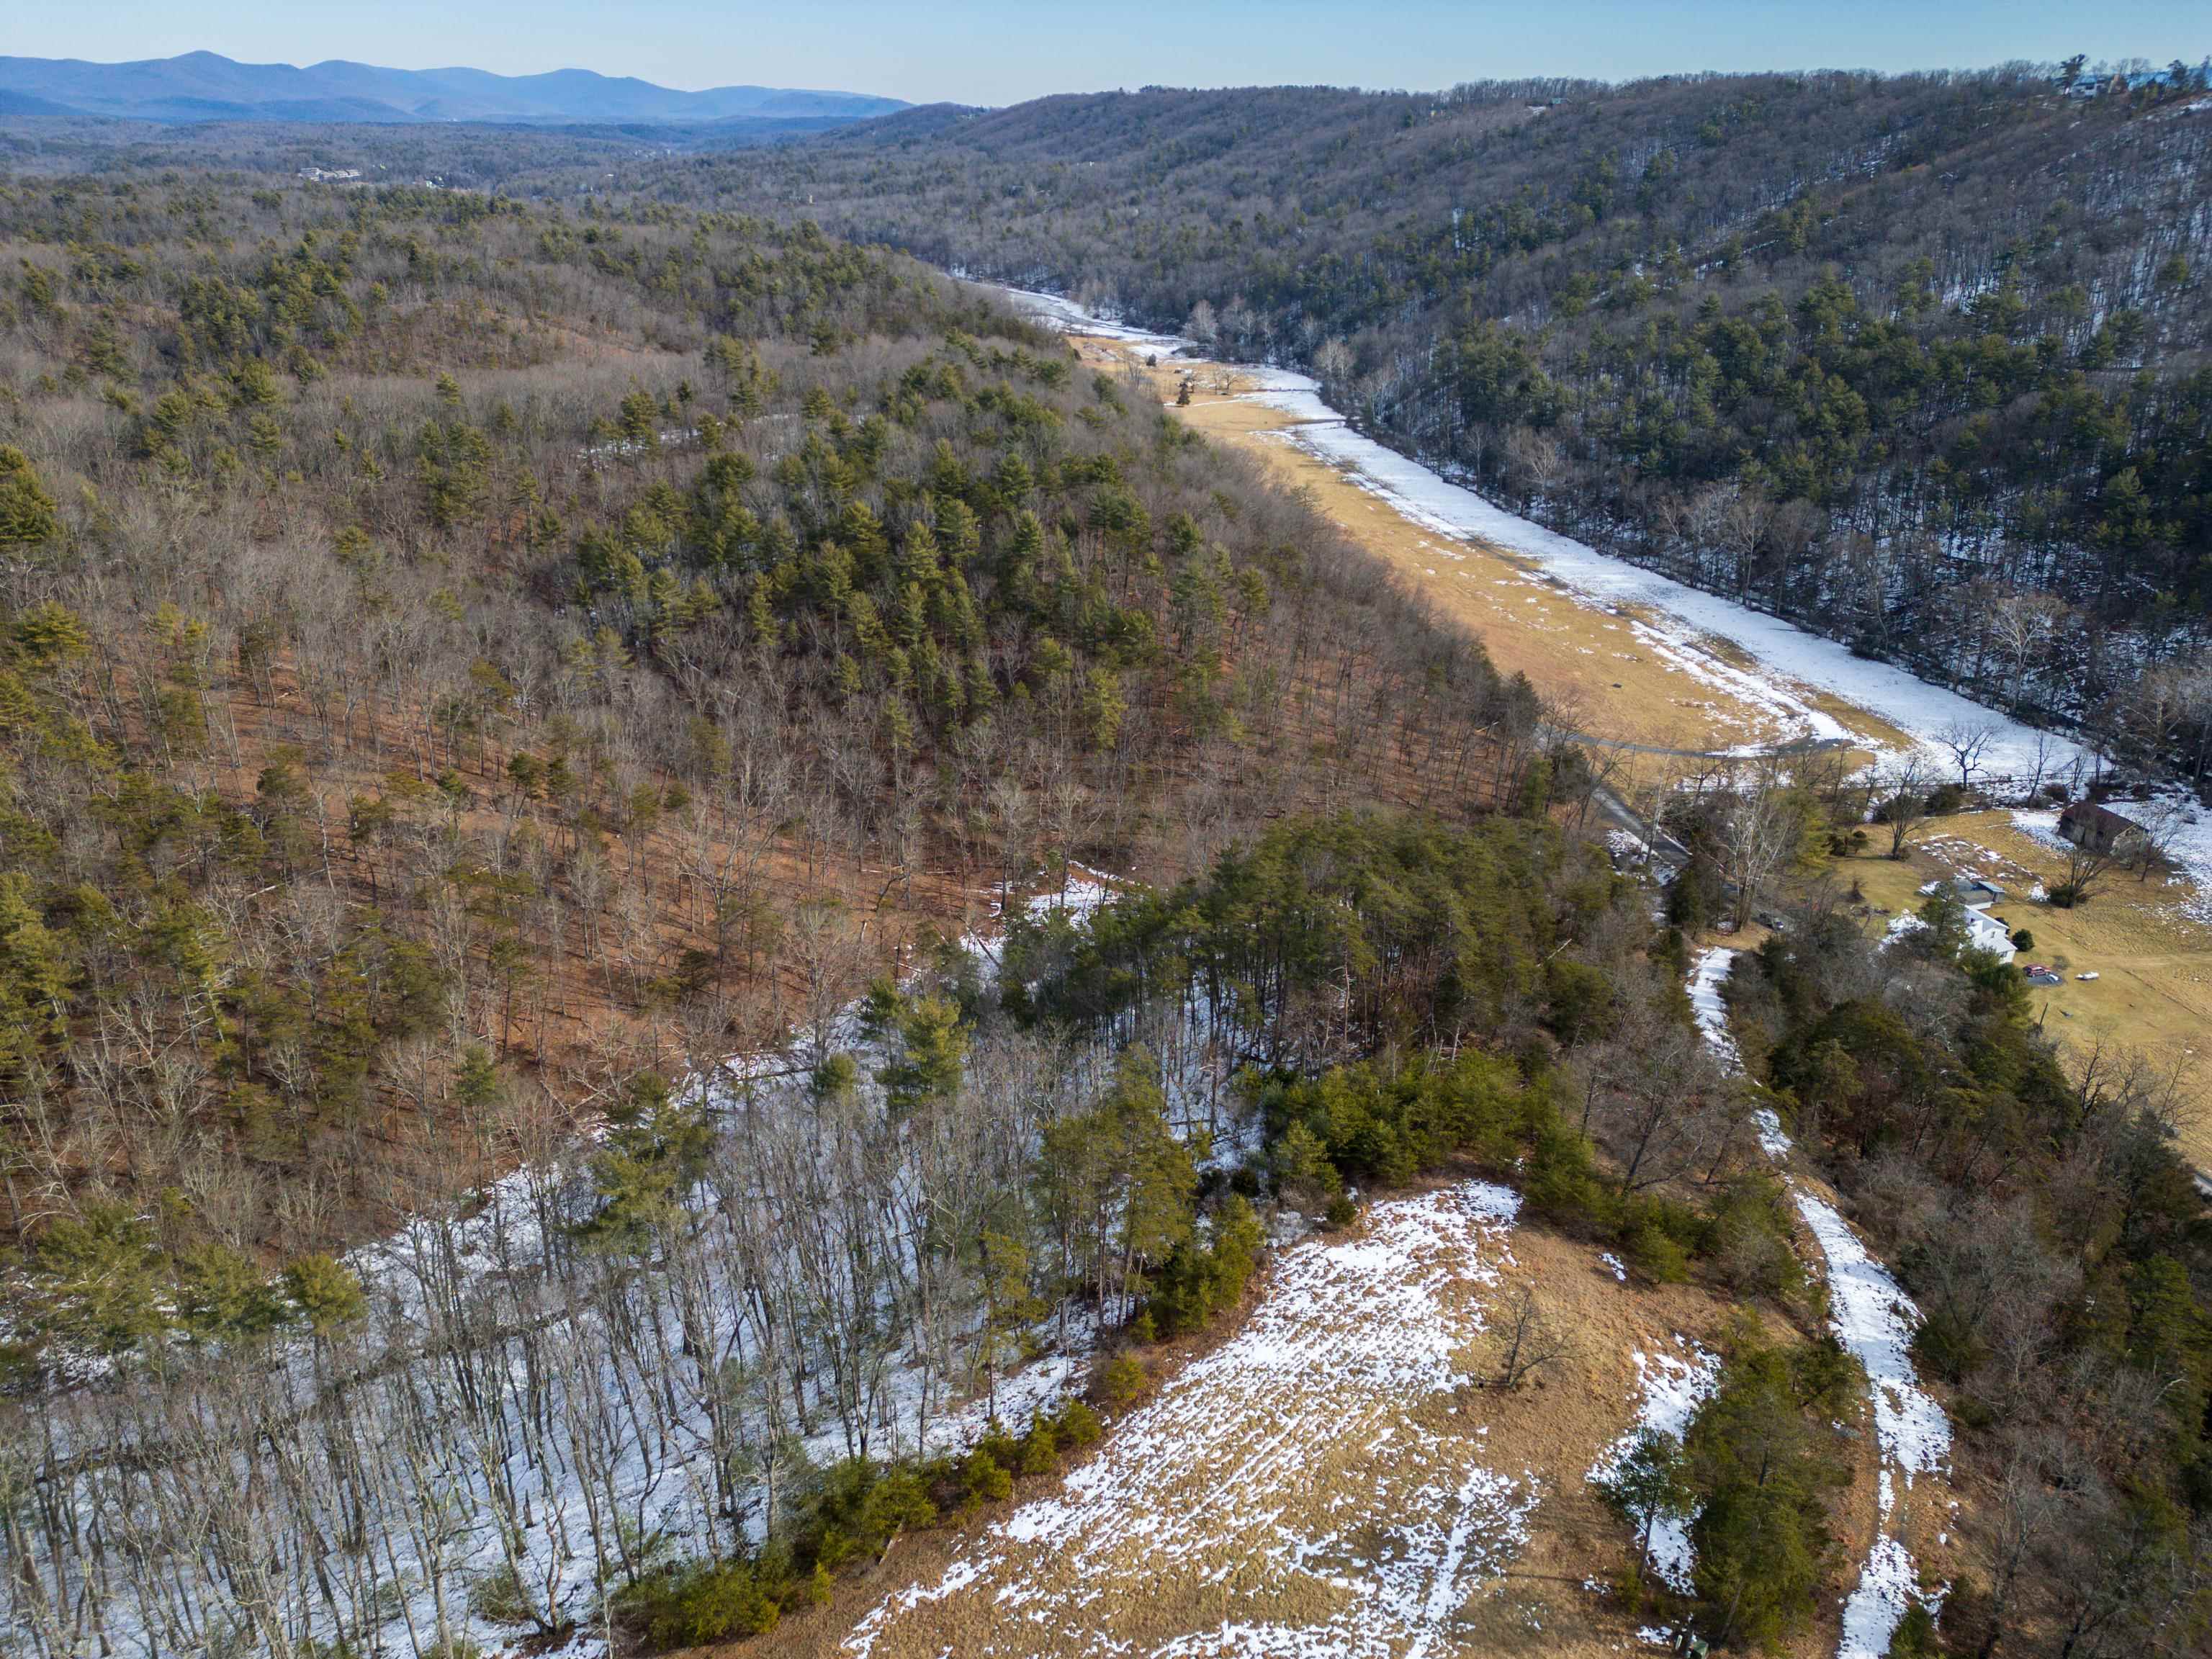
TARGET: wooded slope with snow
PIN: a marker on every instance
(1918, 361)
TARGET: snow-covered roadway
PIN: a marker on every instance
(1874, 1320)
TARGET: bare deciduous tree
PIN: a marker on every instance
(1967, 740)
(1529, 1339)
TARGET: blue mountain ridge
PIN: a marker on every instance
(205, 86)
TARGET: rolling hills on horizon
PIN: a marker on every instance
(204, 86)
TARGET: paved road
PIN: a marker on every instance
(1795, 746)
(1618, 813)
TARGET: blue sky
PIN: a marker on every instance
(993, 52)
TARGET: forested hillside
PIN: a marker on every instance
(467, 672)
(2058, 1254)
(442, 636)
(1919, 361)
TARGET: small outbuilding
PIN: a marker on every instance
(2097, 828)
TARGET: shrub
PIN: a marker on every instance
(984, 1479)
(1749, 1239)
(1761, 1462)
(1562, 1183)
(223, 1292)
(500, 1597)
(1656, 1256)
(700, 1601)
(998, 1445)
(1077, 1424)
(1123, 1379)
(1582, 999)
(1648, 1484)
(2023, 941)
(859, 1507)
(1040, 1449)
(28, 515)
(1946, 1344)
(1198, 1281)
(98, 1274)
(325, 1293)
(1305, 1176)
(1915, 1636)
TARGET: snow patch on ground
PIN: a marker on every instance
(1889, 1585)
(1874, 1320)
(1673, 1388)
(1352, 1338)
(2042, 829)
(1903, 925)
(1712, 968)
(1080, 895)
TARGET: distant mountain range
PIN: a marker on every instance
(202, 86)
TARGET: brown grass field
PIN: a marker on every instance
(1591, 665)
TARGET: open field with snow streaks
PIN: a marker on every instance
(1318, 1485)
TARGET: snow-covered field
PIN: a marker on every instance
(1874, 1320)
(1309, 1488)
(1794, 665)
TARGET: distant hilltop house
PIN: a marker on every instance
(2073, 81)
(2097, 828)
(328, 175)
